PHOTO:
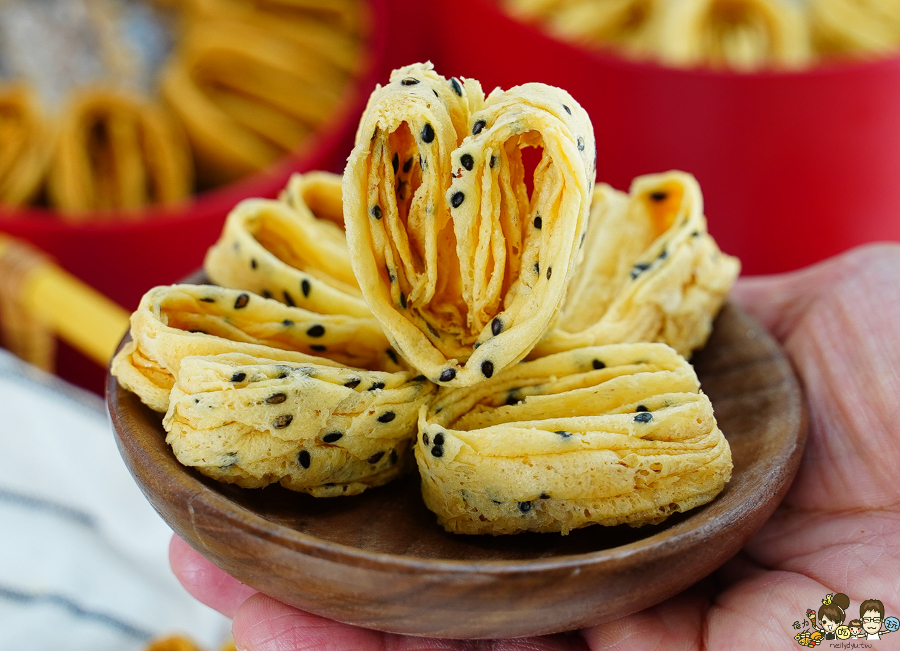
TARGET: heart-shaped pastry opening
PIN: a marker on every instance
(463, 262)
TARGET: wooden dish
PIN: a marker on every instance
(379, 560)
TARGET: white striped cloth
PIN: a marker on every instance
(83, 556)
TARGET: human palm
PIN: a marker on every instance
(838, 529)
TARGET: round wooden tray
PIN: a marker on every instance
(380, 560)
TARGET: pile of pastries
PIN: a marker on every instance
(518, 330)
(107, 106)
(740, 35)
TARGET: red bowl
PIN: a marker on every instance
(795, 167)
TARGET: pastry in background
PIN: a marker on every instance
(741, 35)
(25, 144)
(630, 26)
(250, 87)
(855, 27)
(116, 152)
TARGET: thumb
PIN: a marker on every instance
(780, 301)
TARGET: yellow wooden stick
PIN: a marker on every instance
(54, 299)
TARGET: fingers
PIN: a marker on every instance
(206, 582)
(779, 301)
(674, 625)
(840, 323)
(263, 624)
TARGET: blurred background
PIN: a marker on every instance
(130, 128)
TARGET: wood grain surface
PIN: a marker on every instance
(380, 560)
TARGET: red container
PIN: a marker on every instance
(157, 246)
(794, 167)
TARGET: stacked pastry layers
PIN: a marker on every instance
(257, 391)
(741, 35)
(456, 266)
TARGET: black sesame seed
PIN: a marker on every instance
(467, 161)
(315, 331)
(457, 87)
(393, 355)
(487, 368)
(643, 417)
(564, 434)
(376, 385)
(598, 365)
(207, 300)
(253, 263)
(387, 417)
(538, 222)
(437, 451)
(537, 267)
(695, 234)
(305, 287)
(408, 164)
(282, 421)
(580, 143)
(403, 300)
(266, 293)
(457, 199)
(331, 437)
(376, 212)
(287, 323)
(641, 408)
(319, 348)
(425, 439)
(304, 459)
(240, 376)
(427, 133)
(659, 195)
(493, 161)
(419, 378)
(568, 110)
(395, 163)
(410, 81)
(288, 299)
(478, 126)
(375, 458)
(545, 496)
(276, 398)
(448, 375)
(435, 92)
(352, 384)
(524, 507)
(241, 301)
(549, 272)
(391, 276)
(637, 269)
(438, 439)
(496, 326)
(285, 371)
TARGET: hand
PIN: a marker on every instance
(838, 529)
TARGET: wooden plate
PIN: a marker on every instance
(379, 560)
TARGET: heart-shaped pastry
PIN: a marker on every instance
(461, 260)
